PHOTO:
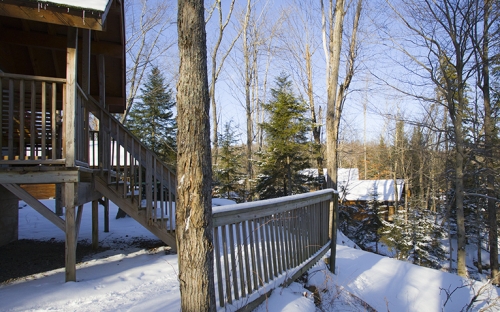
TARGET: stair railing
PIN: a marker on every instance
(134, 170)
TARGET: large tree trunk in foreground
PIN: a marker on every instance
(194, 171)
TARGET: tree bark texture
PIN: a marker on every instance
(248, 105)
(331, 116)
(194, 173)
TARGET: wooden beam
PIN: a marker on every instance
(78, 221)
(71, 92)
(102, 79)
(70, 251)
(40, 176)
(95, 224)
(86, 44)
(86, 193)
(71, 17)
(106, 215)
(36, 204)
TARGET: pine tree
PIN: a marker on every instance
(152, 120)
(227, 173)
(287, 145)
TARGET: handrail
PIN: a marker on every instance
(142, 173)
(227, 214)
(262, 244)
(96, 109)
(35, 78)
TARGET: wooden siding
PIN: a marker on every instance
(40, 191)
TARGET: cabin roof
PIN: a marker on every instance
(343, 174)
(96, 5)
(368, 190)
(33, 41)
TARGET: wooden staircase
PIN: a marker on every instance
(111, 162)
(132, 176)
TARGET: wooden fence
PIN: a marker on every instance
(269, 242)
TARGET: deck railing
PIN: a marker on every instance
(144, 180)
(30, 115)
(261, 245)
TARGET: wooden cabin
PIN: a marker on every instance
(363, 192)
(62, 65)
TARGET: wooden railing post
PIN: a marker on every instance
(71, 95)
(69, 150)
(334, 207)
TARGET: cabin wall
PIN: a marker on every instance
(9, 216)
(40, 191)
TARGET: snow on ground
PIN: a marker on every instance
(129, 279)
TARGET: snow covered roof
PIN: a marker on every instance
(88, 14)
(343, 174)
(348, 174)
(367, 190)
(95, 5)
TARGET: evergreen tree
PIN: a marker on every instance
(286, 137)
(227, 174)
(396, 235)
(152, 120)
(426, 235)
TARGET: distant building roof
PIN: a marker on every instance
(367, 190)
(348, 174)
(343, 174)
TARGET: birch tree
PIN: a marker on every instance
(194, 229)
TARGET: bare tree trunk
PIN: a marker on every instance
(336, 98)
(194, 171)
(316, 129)
(216, 70)
(459, 199)
(332, 126)
(248, 104)
(489, 135)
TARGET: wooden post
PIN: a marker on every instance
(334, 207)
(86, 37)
(102, 80)
(69, 150)
(70, 251)
(95, 224)
(106, 215)
(85, 81)
(70, 105)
